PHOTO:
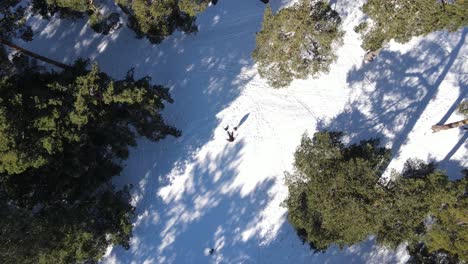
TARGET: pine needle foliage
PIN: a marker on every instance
(63, 137)
(297, 42)
(336, 197)
(403, 19)
(152, 19)
(334, 191)
(13, 21)
(156, 20)
(463, 108)
(193, 7)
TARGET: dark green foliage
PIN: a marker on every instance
(66, 234)
(43, 113)
(12, 21)
(419, 254)
(297, 42)
(335, 197)
(65, 8)
(62, 138)
(75, 5)
(156, 20)
(450, 230)
(403, 19)
(446, 238)
(193, 7)
(334, 191)
(419, 191)
(463, 108)
(361, 27)
(72, 9)
(104, 25)
(152, 19)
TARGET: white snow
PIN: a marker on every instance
(198, 191)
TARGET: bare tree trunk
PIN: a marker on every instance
(438, 128)
(34, 55)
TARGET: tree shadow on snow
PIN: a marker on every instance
(402, 86)
(176, 224)
(205, 71)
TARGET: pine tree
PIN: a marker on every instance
(63, 136)
(12, 21)
(65, 8)
(72, 9)
(152, 19)
(409, 200)
(336, 197)
(450, 231)
(156, 20)
(402, 19)
(79, 233)
(193, 7)
(426, 210)
(297, 42)
(334, 194)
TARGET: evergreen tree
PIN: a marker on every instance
(336, 197)
(410, 199)
(419, 254)
(426, 210)
(156, 20)
(463, 108)
(297, 42)
(62, 138)
(72, 9)
(450, 231)
(65, 8)
(334, 194)
(403, 19)
(193, 7)
(78, 233)
(152, 19)
(12, 21)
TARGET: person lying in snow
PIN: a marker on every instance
(231, 137)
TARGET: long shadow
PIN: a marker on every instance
(453, 169)
(243, 119)
(456, 103)
(403, 86)
(431, 91)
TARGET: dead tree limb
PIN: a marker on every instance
(438, 128)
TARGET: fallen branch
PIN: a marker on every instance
(438, 128)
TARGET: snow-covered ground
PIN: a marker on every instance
(199, 191)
